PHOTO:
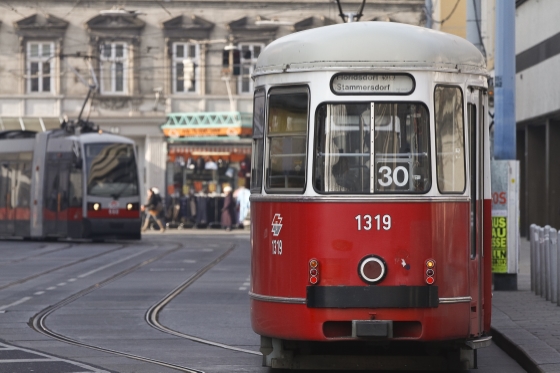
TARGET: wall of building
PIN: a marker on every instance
(538, 111)
(139, 112)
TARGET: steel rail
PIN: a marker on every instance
(152, 315)
(38, 321)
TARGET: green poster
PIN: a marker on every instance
(499, 244)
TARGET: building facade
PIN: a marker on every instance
(175, 62)
(537, 48)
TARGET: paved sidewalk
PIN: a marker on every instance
(525, 325)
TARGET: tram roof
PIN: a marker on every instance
(370, 45)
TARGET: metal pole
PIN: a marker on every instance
(537, 260)
(504, 82)
(429, 14)
(554, 265)
(547, 262)
(557, 249)
(532, 236)
(542, 283)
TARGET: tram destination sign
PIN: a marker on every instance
(372, 84)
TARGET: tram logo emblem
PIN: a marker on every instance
(276, 225)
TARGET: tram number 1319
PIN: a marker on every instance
(365, 222)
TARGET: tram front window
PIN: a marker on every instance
(399, 152)
(111, 170)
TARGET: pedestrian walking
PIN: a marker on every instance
(153, 209)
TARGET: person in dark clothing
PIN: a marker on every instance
(154, 207)
(228, 211)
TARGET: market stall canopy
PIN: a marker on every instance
(207, 126)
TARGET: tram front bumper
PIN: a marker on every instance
(372, 297)
(112, 228)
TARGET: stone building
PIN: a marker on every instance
(176, 62)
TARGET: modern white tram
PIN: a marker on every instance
(67, 184)
(370, 200)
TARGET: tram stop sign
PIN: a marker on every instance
(505, 223)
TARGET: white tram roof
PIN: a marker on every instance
(95, 137)
(370, 45)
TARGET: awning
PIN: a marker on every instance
(204, 126)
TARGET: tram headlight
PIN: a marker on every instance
(129, 206)
(372, 269)
(93, 206)
(313, 271)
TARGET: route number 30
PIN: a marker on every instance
(399, 177)
(365, 222)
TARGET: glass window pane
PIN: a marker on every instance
(258, 143)
(119, 77)
(34, 50)
(179, 50)
(450, 144)
(343, 148)
(34, 76)
(106, 50)
(401, 147)
(245, 52)
(287, 131)
(179, 81)
(402, 162)
(256, 51)
(119, 50)
(46, 50)
(192, 51)
(46, 77)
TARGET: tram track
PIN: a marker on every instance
(38, 321)
(66, 265)
(67, 246)
(152, 315)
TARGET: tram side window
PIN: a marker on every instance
(287, 139)
(450, 140)
(343, 155)
(258, 139)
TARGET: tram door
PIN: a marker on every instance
(56, 199)
(7, 212)
(475, 117)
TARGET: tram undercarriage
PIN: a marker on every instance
(372, 354)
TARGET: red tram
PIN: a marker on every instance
(66, 184)
(370, 203)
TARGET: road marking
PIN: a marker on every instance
(61, 284)
(208, 250)
(242, 288)
(51, 288)
(189, 261)
(22, 300)
(44, 358)
(72, 280)
(246, 284)
(39, 293)
(111, 264)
